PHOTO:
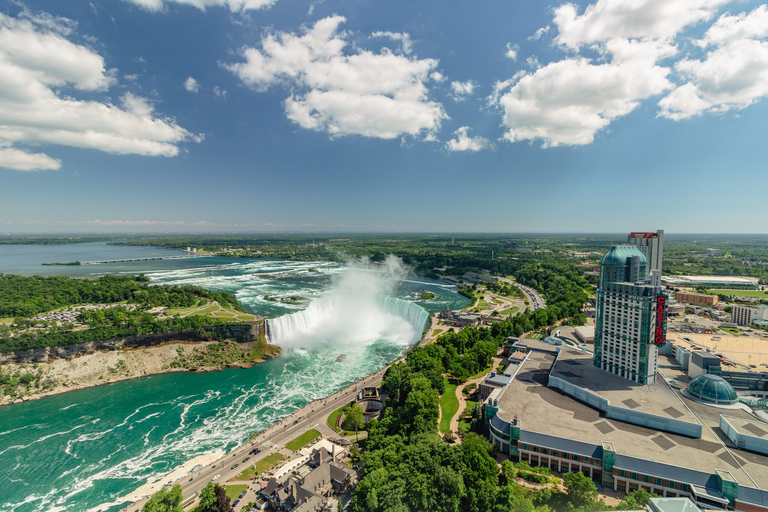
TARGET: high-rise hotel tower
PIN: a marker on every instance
(631, 316)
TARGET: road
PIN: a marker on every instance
(536, 300)
(273, 440)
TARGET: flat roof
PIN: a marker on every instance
(741, 351)
(658, 399)
(712, 279)
(748, 427)
(551, 412)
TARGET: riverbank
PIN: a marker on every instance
(88, 370)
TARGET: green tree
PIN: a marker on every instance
(636, 500)
(580, 488)
(165, 500)
(207, 496)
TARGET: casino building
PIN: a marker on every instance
(630, 317)
(614, 415)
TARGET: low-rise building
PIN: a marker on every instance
(698, 299)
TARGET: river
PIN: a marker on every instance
(95, 447)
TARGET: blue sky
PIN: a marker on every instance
(354, 115)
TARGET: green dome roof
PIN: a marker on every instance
(713, 389)
(619, 254)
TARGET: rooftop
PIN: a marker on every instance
(548, 411)
(739, 351)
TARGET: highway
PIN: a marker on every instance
(536, 300)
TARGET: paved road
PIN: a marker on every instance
(313, 415)
(536, 300)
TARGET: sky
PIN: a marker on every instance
(396, 116)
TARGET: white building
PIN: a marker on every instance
(745, 315)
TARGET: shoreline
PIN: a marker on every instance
(105, 367)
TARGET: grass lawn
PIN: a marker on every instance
(434, 333)
(508, 311)
(182, 311)
(233, 491)
(6, 320)
(471, 404)
(482, 305)
(740, 293)
(449, 404)
(334, 417)
(536, 336)
(262, 466)
(303, 440)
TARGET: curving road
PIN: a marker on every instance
(536, 300)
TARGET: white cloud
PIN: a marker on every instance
(463, 142)
(356, 93)
(22, 161)
(511, 52)
(742, 26)
(567, 102)
(732, 77)
(462, 89)
(233, 5)
(437, 76)
(403, 38)
(35, 58)
(629, 19)
(219, 92)
(191, 84)
(539, 33)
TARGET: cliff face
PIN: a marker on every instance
(240, 333)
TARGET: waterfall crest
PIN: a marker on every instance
(342, 321)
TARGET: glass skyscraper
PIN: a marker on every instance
(631, 315)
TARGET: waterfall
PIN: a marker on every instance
(344, 321)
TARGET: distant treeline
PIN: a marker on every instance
(29, 296)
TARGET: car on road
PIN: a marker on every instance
(234, 466)
(235, 504)
(246, 459)
(215, 477)
(242, 494)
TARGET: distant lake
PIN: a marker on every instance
(28, 259)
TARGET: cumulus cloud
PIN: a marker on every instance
(342, 92)
(463, 142)
(461, 90)
(40, 72)
(734, 73)
(569, 101)
(629, 19)
(219, 92)
(233, 5)
(22, 161)
(191, 85)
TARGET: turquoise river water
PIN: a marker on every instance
(94, 449)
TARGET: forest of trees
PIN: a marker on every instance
(24, 297)
(29, 296)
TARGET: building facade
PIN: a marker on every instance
(746, 315)
(631, 316)
(651, 245)
(697, 299)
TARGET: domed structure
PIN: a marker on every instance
(619, 254)
(713, 389)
